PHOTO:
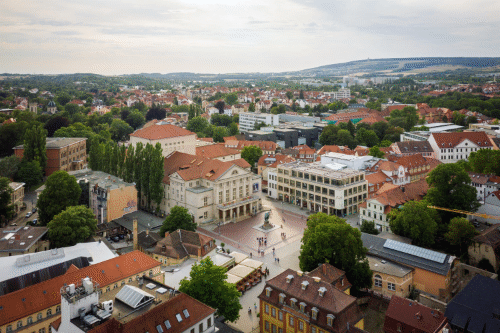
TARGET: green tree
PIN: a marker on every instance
(156, 112)
(197, 124)
(344, 138)
(219, 133)
(221, 120)
(251, 107)
(486, 265)
(9, 166)
(301, 94)
(156, 176)
(485, 161)
(329, 135)
(55, 123)
(385, 143)
(449, 188)
(73, 225)
(120, 130)
(6, 207)
(416, 221)
(138, 169)
(351, 128)
(460, 234)
(12, 135)
(376, 152)
(35, 145)
(207, 283)
(380, 128)
(135, 119)
(330, 239)
(251, 154)
(369, 227)
(179, 218)
(233, 129)
(128, 174)
(289, 95)
(191, 112)
(231, 98)
(29, 173)
(61, 191)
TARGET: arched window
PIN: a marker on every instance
(151, 273)
(49, 312)
(39, 316)
(129, 280)
(378, 281)
(19, 324)
(108, 288)
(58, 309)
(9, 328)
(29, 321)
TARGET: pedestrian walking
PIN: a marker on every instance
(250, 254)
(274, 259)
(265, 242)
(255, 305)
(278, 260)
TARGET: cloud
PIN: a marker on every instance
(217, 36)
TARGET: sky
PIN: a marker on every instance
(234, 36)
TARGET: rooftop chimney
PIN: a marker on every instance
(324, 269)
(134, 230)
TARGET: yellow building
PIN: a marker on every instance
(486, 246)
(17, 196)
(296, 302)
(390, 278)
(33, 308)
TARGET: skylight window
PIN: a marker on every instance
(159, 328)
(167, 324)
(186, 313)
(179, 318)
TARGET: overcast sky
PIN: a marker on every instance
(227, 36)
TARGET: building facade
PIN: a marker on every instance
(17, 196)
(172, 138)
(67, 154)
(109, 197)
(295, 302)
(320, 189)
(454, 147)
(248, 120)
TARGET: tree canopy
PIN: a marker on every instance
(35, 145)
(72, 226)
(207, 283)
(6, 207)
(485, 161)
(369, 227)
(460, 234)
(251, 154)
(61, 191)
(29, 173)
(449, 187)
(179, 218)
(376, 152)
(330, 239)
(416, 221)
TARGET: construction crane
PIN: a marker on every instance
(486, 216)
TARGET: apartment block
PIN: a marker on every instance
(66, 154)
(248, 120)
(453, 147)
(318, 188)
(17, 196)
(109, 196)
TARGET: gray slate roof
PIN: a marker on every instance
(476, 306)
(375, 246)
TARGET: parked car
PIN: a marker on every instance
(116, 239)
(121, 236)
(13, 224)
(35, 221)
(34, 210)
(28, 214)
(109, 239)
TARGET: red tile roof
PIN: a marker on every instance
(43, 295)
(215, 151)
(447, 140)
(335, 149)
(412, 317)
(158, 132)
(391, 195)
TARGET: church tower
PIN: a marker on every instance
(33, 107)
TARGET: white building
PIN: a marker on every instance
(349, 161)
(249, 119)
(484, 184)
(172, 138)
(453, 147)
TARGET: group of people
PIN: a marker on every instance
(283, 235)
(262, 241)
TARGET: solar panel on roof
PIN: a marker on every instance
(415, 250)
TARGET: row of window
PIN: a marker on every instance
(377, 281)
(29, 320)
(321, 179)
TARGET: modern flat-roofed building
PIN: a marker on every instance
(320, 188)
(17, 240)
(248, 120)
(109, 197)
(66, 154)
(261, 136)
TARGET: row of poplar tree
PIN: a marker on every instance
(142, 165)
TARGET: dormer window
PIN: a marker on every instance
(304, 285)
(302, 306)
(329, 319)
(282, 298)
(322, 291)
(293, 302)
(289, 278)
(314, 313)
(268, 291)
(342, 282)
